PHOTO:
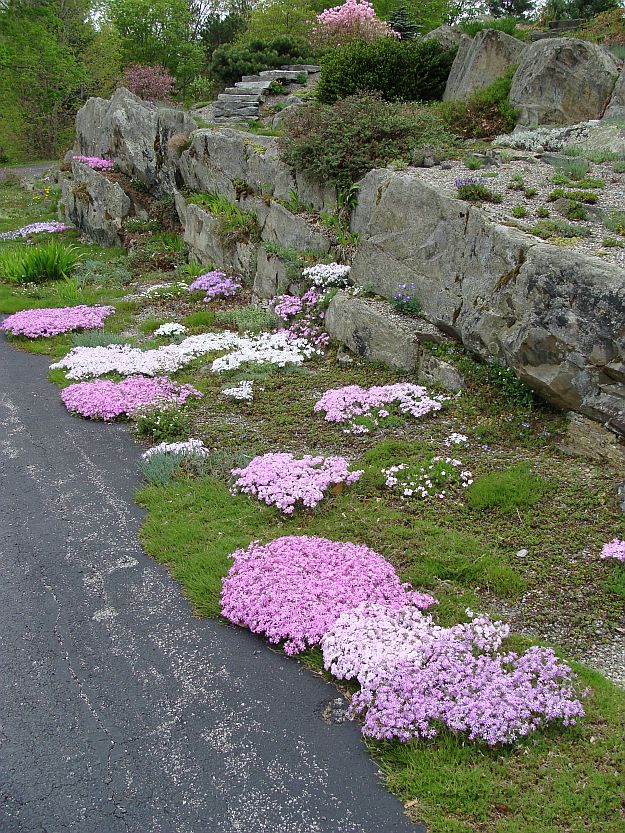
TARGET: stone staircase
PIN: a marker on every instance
(242, 102)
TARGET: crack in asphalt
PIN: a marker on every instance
(120, 711)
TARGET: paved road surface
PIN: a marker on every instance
(119, 711)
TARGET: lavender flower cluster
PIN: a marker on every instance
(352, 403)
(47, 322)
(107, 400)
(416, 677)
(296, 587)
(51, 227)
(614, 549)
(95, 162)
(282, 480)
(216, 285)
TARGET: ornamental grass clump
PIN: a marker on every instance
(49, 322)
(216, 285)
(51, 261)
(294, 589)
(434, 477)
(107, 400)
(282, 480)
(417, 677)
(365, 409)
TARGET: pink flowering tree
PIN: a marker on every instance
(150, 83)
(351, 20)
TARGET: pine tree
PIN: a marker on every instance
(401, 22)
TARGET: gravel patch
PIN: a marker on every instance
(538, 175)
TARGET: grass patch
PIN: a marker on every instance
(514, 488)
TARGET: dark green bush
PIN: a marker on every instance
(409, 70)
(341, 142)
(486, 113)
(232, 60)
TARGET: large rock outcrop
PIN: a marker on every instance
(562, 81)
(481, 61)
(136, 134)
(231, 162)
(448, 37)
(96, 205)
(616, 107)
(557, 317)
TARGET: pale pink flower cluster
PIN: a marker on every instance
(304, 316)
(294, 589)
(51, 227)
(52, 321)
(107, 400)
(353, 404)
(95, 162)
(416, 676)
(351, 20)
(282, 480)
(614, 549)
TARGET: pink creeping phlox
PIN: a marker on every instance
(47, 322)
(353, 404)
(216, 285)
(416, 677)
(282, 480)
(95, 162)
(614, 549)
(296, 587)
(51, 227)
(304, 316)
(107, 400)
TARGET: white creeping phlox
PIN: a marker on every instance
(274, 348)
(191, 448)
(244, 391)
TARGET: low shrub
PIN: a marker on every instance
(248, 319)
(508, 490)
(162, 423)
(410, 70)
(474, 190)
(339, 143)
(588, 197)
(232, 60)
(96, 338)
(486, 113)
(547, 229)
(519, 211)
(235, 225)
(615, 221)
(152, 83)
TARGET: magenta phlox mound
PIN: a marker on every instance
(282, 480)
(48, 322)
(104, 399)
(294, 589)
(417, 677)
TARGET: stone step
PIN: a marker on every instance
(238, 99)
(242, 112)
(251, 87)
(302, 68)
(246, 78)
(280, 75)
